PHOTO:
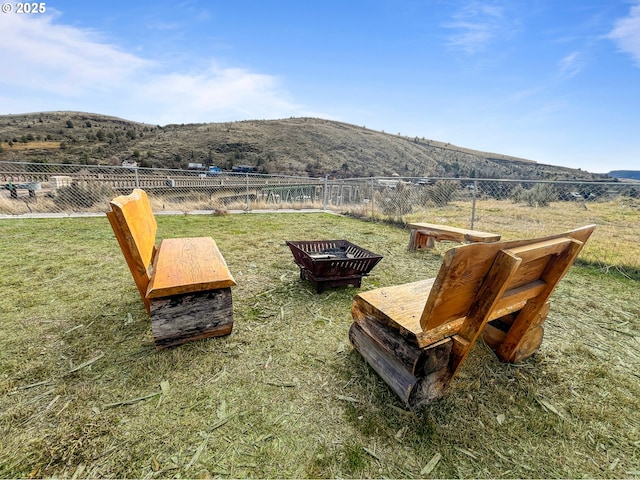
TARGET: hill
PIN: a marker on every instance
(294, 146)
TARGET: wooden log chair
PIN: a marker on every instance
(185, 283)
(417, 335)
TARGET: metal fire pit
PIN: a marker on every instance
(332, 263)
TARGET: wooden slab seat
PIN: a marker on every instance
(417, 335)
(424, 235)
(185, 283)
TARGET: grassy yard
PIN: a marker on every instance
(84, 393)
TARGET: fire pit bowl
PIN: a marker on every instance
(332, 263)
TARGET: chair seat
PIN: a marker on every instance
(398, 306)
(187, 265)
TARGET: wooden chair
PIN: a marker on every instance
(417, 335)
(185, 283)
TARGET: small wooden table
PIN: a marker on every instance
(424, 235)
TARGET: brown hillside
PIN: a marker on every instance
(294, 146)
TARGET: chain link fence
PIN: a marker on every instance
(513, 208)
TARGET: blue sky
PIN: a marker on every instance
(555, 81)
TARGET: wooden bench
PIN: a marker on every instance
(417, 335)
(184, 283)
(424, 235)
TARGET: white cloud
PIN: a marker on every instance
(571, 65)
(626, 33)
(59, 59)
(217, 94)
(471, 37)
(55, 66)
(475, 24)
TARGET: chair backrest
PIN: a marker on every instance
(471, 274)
(135, 228)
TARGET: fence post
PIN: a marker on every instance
(135, 169)
(371, 197)
(247, 180)
(324, 192)
(473, 205)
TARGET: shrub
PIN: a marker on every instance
(518, 194)
(83, 195)
(539, 195)
(397, 202)
(442, 192)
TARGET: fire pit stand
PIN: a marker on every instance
(332, 263)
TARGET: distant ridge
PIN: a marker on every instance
(630, 174)
(292, 146)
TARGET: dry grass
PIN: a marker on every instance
(83, 392)
(33, 146)
(24, 204)
(186, 202)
